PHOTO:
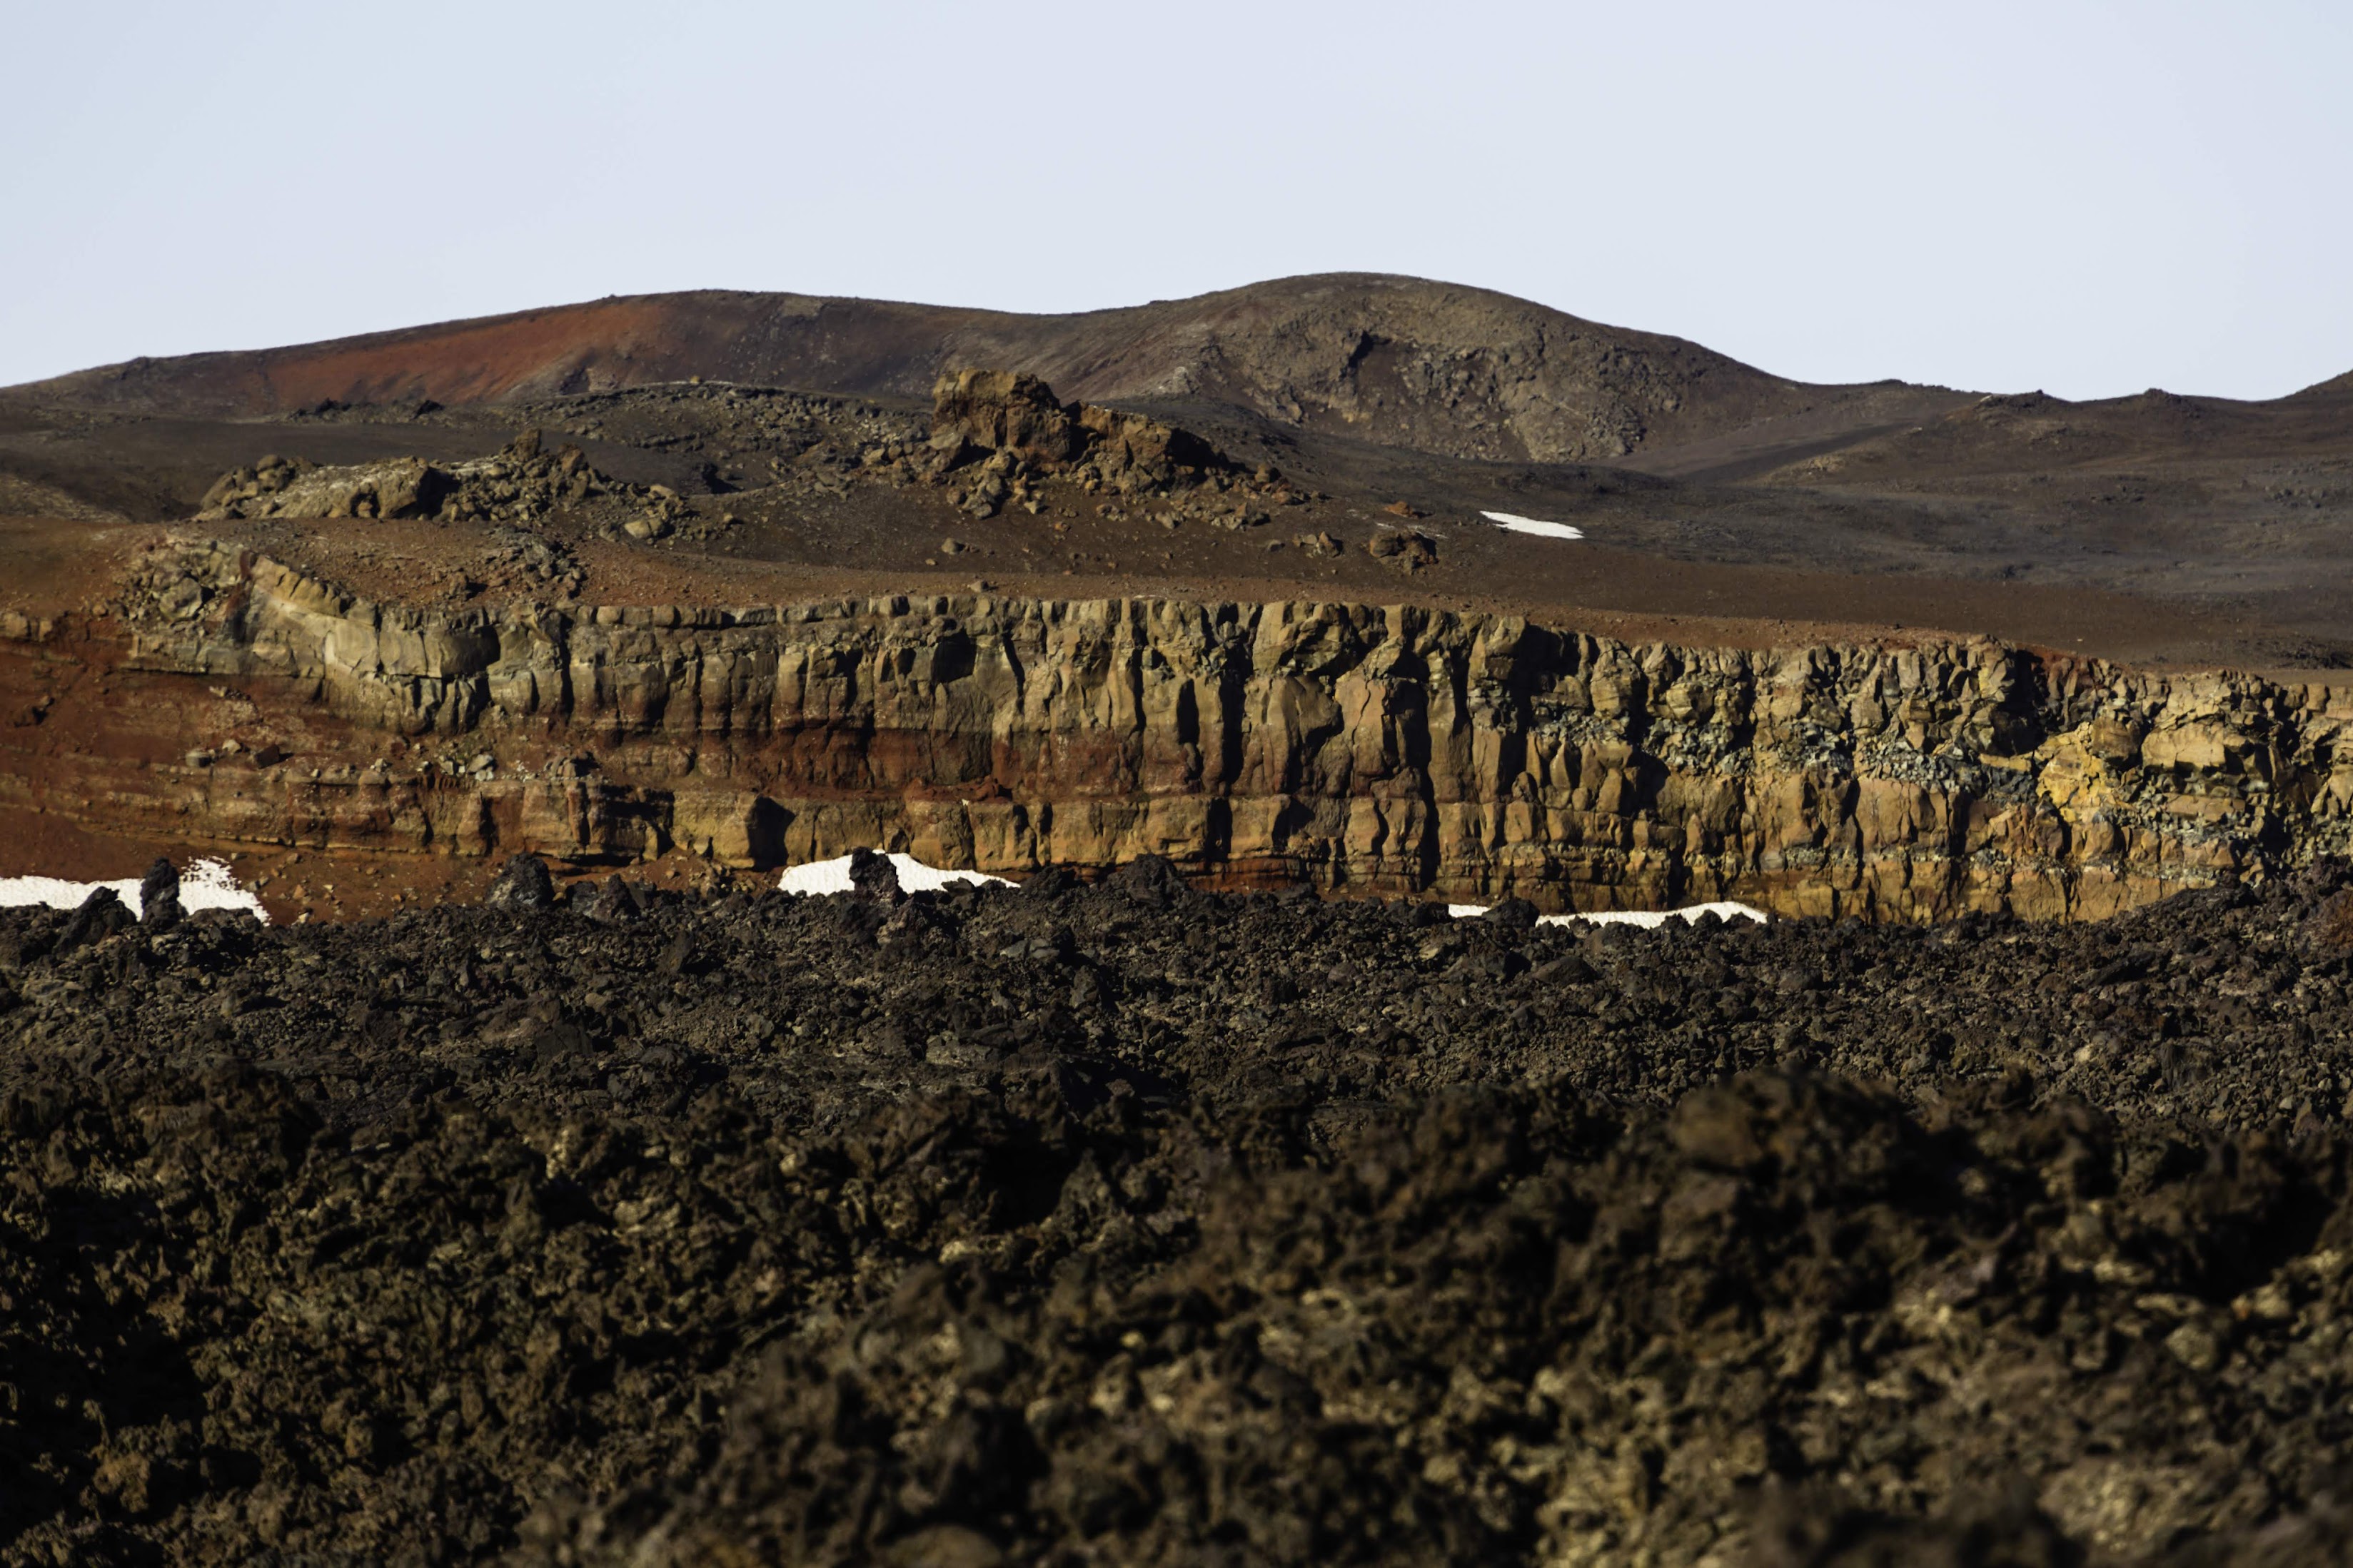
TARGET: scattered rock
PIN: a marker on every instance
(522, 883)
(520, 485)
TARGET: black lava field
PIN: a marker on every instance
(1131, 1224)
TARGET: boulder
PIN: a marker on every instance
(101, 915)
(995, 415)
(1407, 549)
(998, 410)
(159, 897)
(617, 903)
(522, 883)
(872, 876)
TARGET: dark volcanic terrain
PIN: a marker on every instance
(1130, 1223)
(1992, 1205)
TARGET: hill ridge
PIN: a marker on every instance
(1447, 368)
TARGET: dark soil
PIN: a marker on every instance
(1129, 1224)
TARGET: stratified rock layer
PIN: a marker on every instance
(1372, 748)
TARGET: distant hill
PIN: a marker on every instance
(1397, 361)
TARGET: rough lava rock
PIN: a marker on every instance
(1132, 1223)
(872, 876)
(159, 896)
(522, 883)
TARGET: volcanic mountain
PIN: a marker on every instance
(1397, 361)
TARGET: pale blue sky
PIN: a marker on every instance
(2086, 196)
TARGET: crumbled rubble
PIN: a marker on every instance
(522, 485)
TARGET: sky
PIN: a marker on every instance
(2086, 197)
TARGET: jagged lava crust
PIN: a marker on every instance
(1131, 1223)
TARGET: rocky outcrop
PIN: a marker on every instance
(1016, 435)
(1365, 748)
(1006, 411)
(521, 484)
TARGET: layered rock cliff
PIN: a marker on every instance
(1366, 747)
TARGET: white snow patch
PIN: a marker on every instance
(204, 885)
(1537, 526)
(915, 877)
(1647, 919)
(1651, 919)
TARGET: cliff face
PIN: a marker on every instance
(1372, 749)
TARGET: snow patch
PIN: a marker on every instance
(204, 885)
(1649, 919)
(915, 877)
(1516, 523)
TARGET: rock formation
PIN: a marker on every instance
(520, 484)
(1019, 435)
(1365, 748)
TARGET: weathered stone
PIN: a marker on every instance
(617, 903)
(872, 876)
(159, 897)
(519, 484)
(1008, 411)
(1013, 421)
(1407, 549)
(522, 883)
(100, 915)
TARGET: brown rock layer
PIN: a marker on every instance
(1365, 748)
